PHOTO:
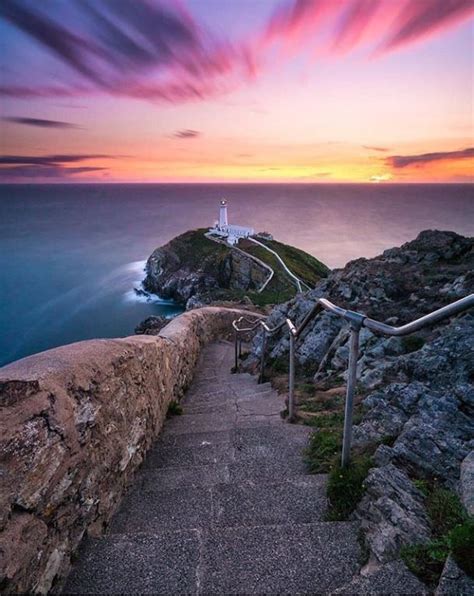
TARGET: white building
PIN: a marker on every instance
(231, 232)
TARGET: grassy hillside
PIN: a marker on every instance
(201, 254)
(303, 265)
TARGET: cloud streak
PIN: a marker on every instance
(375, 148)
(158, 51)
(40, 122)
(187, 133)
(403, 161)
(14, 167)
(47, 160)
(137, 49)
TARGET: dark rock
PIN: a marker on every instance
(453, 581)
(194, 270)
(151, 325)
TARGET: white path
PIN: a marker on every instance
(298, 281)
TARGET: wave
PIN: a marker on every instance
(139, 295)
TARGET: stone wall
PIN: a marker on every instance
(76, 423)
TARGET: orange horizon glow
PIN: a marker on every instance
(322, 91)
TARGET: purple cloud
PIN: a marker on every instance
(14, 167)
(47, 160)
(39, 122)
(130, 48)
(50, 171)
(158, 52)
(402, 161)
(422, 18)
(186, 133)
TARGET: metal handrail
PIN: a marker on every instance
(267, 331)
(357, 321)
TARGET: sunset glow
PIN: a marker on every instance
(211, 90)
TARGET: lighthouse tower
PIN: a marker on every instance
(223, 215)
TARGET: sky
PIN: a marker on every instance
(236, 91)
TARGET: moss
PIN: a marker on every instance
(461, 542)
(174, 409)
(346, 487)
(412, 343)
(426, 561)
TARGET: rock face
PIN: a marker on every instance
(401, 284)
(76, 423)
(193, 267)
(419, 392)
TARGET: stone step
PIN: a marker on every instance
(150, 507)
(313, 558)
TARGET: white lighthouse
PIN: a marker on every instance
(230, 232)
(223, 214)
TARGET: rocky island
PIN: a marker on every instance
(198, 268)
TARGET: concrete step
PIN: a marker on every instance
(150, 507)
(298, 559)
(312, 558)
(179, 455)
(301, 499)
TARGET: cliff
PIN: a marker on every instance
(414, 410)
(194, 270)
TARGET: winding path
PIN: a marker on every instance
(299, 283)
(222, 504)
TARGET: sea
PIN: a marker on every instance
(72, 255)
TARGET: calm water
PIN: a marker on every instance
(70, 255)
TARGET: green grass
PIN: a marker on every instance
(426, 561)
(324, 447)
(346, 487)
(174, 409)
(461, 542)
(452, 531)
(300, 263)
(444, 510)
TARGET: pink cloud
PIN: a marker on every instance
(159, 52)
(422, 19)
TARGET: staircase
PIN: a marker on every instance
(222, 504)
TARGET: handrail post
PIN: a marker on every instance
(262, 356)
(236, 359)
(240, 347)
(350, 391)
(291, 380)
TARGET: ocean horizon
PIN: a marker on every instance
(72, 255)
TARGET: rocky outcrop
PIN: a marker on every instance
(401, 284)
(193, 270)
(419, 391)
(151, 325)
(76, 423)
